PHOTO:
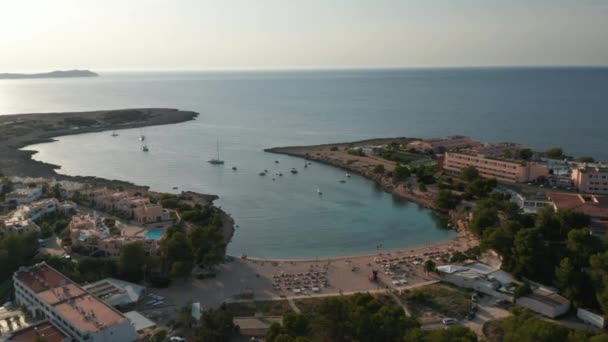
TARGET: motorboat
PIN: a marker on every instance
(293, 170)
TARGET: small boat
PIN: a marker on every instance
(280, 174)
(234, 168)
(145, 148)
(266, 171)
(305, 165)
(342, 181)
(262, 173)
(217, 160)
(142, 138)
(276, 161)
(293, 170)
(319, 192)
(348, 175)
(175, 188)
(114, 134)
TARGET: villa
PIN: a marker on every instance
(91, 233)
(23, 196)
(21, 220)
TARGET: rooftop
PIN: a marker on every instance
(592, 205)
(43, 330)
(81, 309)
(139, 321)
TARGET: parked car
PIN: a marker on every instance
(177, 339)
(471, 316)
(474, 297)
(449, 321)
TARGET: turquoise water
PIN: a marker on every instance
(154, 233)
(251, 111)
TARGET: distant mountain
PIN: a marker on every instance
(53, 74)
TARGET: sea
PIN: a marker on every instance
(245, 112)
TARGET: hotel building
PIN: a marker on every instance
(593, 180)
(45, 292)
(510, 171)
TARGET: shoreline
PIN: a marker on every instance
(311, 152)
(18, 131)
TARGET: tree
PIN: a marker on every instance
(525, 154)
(581, 245)
(568, 279)
(430, 266)
(554, 153)
(454, 333)
(379, 169)
(483, 219)
(132, 261)
(216, 326)
(181, 268)
(528, 255)
(400, 173)
(469, 173)
(585, 159)
(446, 200)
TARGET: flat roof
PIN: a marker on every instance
(43, 330)
(83, 310)
(139, 321)
(41, 277)
(246, 323)
(548, 298)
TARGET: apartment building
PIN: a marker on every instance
(48, 294)
(593, 180)
(510, 171)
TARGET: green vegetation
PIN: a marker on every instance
(124, 116)
(553, 247)
(525, 154)
(446, 200)
(379, 169)
(360, 317)
(266, 308)
(80, 122)
(554, 153)
(424, 173)
(16, 251)
(356, 152)
(216, 325)
(442, 299)
(523, 326)
(400, 173)
(401, 156)
(585, 159)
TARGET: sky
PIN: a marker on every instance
(42, 35)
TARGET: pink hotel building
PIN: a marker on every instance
(509, 171)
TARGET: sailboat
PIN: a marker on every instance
(114, 134)
(142, 135)
(217, 160)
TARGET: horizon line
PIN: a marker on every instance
(330, 68)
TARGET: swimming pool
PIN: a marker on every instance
(155, 233)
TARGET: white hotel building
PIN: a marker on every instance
(72, 310)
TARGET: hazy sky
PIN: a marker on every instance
(243, 34)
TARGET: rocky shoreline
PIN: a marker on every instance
(326, 154)
(21, 130)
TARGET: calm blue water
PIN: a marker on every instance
(154, 233)
(254, 110)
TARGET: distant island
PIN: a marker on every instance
(52, 74)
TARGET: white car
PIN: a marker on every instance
(177, 339)
(449, 321)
